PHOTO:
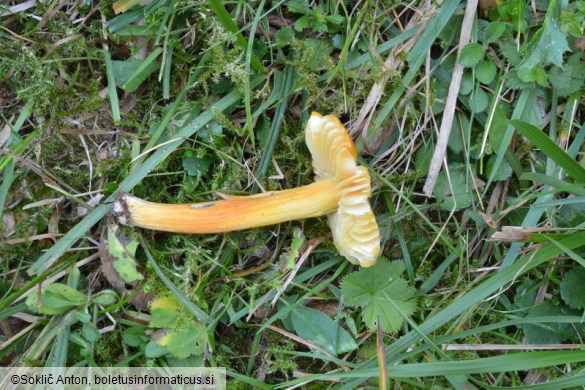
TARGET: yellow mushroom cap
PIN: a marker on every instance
(355, 231)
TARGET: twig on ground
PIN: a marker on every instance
(449, 113)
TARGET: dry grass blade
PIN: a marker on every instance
(505, 347)
(520, 233)
(381, 356)
(450, 106)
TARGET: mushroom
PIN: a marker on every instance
(340, 191)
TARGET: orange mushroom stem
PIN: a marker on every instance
(341, 191)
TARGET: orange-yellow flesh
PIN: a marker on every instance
(235, 213)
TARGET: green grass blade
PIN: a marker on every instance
(534, 214)
(505, 363)
(18, 308)
(8, 163)
(568, 251)
(437, 274)
(166, 77)
(554, 182)
(362, 59)
(577, 142)
(7, 180)
(284, 84)
(432, 31)
(58, 355)
(112, 92)
(341, 64)
(574, 380)
(125, 20)
(142, 72)
(525, 95)
(247, 64)
(550, 149)
(255, 383)
(19, 148)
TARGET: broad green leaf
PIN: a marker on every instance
(196, 166)
(302, 23)
(504, 170)
(318, 22)
(485, 72)
(90, 332)
(320, 52)
(513, 10)
(211, 133)
(130, 74)
(510, 51)
(164, 312)
(381, 293)
(183, 335)
(423, 157)
(536, 74)
(569, 79)
(188, 339)
(453, 194)
(56, 298)
(479, 101)
(466, 83)
(546, 333)
(571, 215)
(550, 149)
(285, 37)
(82, 314)
(466, 302)
(153, 350)
(105, 297)
(298, 7)
(456, 143)
(86, 347)
(572, 290)
(494, 31)
(471, 54)
(77, 339)
(335, 19)
(122, 252)
(549, 44)
(561, 78)
(525, 294)
(135, 337)
(315, 326)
